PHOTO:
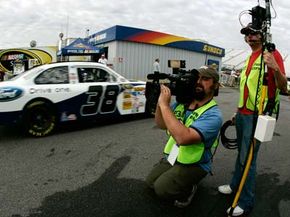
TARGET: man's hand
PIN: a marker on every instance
(270, 61)
(163, 102)
(165, 96)
(280, 79)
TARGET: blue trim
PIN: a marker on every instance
(198, 46)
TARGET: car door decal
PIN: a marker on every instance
(110, 99)
(94, 95)
(100, 100)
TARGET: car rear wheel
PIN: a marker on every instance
(39, 119)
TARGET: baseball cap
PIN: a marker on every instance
(209, 72)
(249, 28)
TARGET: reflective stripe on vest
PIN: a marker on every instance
(251, 81)
(189, 154)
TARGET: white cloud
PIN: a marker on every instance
(215, 21)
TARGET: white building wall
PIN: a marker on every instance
(111, 51)
(135, 60)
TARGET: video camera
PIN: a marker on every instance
(258, 17)
(181, 84)
(261, 21)
(261, 16)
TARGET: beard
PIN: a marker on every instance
(199, 93)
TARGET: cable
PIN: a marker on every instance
(227, 142)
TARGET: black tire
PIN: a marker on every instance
(39, 119)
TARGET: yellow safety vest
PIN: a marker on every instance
(251, 81)
(189, 154)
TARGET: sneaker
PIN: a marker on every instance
(238, 211)
(225, 189)
(182, 204)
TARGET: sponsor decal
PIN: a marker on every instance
(48, 90)
(65, 117)
(10, 93)
(127, 105)
(139, 88)
(127, 86)
(39, 90)
(127, 99)
(62, 90)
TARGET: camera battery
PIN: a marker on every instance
(265, 128)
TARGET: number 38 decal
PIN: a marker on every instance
(100, 101)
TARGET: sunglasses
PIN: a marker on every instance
(251, 33)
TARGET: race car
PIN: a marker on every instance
(44, 96)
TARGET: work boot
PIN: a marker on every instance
(187, 201)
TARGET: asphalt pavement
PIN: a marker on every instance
(99, 171)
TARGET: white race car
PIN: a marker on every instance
(44, 96)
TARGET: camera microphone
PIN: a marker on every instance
(157, 76)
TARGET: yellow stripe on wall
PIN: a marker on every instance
(168, 39)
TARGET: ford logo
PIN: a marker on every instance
(9, 93)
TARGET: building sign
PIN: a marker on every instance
(213, 50)
(101, 37)
(98, 38)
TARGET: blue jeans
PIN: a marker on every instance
(244, 127)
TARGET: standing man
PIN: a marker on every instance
(245, 119)
(103, 59)
(192, 130)
(233, 77)
(156, 66)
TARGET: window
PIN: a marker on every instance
(56, 75)
(93, 75)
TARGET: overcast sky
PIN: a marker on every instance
(215, 21)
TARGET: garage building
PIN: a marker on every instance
(132, 51)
